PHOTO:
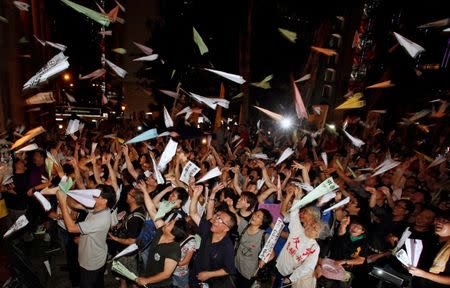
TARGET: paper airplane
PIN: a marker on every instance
(167, 119)
(325, 198)
(20, 223)
(199, 41)
(164, 208)
(325, 51)
(323, 188)
(119, 71)
(264, 84)
(211, 102)
(381, 85)
(147, 135)
(85, 200)
(305, 186)
(402, 256)
(355, 141)
(128, 250)
(96, 74)
(324, 157)
(441, 110)
(235, 78)
(291, 36)
(29, 147)
(435, 24)
(412, 48)
(185, 110)
(3, 19)
(42, 42)
(259, 156)
(159, 178)
(403, 238)
(416, 116)
(167, 155)
(47, 266)
(70, 97)
(120, 6)
(144, 49)
(337, 205)
(239, 95)
(86, 192)
(299, 105)
(151, 57)
(65, 184)
(387, 164)
(44, 202)
(56, 65)
(352, 103)
(439, 159)
(41, 98)
(273, 115)
(22, 6)
(304, 78)
(169, 93)
(72, 126)
(28, 136)
(210, 174)
(286, 153)
(58, 46)
(94, 15)
(119, 50)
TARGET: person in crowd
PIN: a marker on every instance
(92, 250)
(214, 262)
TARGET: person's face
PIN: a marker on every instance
(305, 216)
(20, 165)
(38, 160)
(220, 222)
(257, 218)
(386, 179)
(442, 227)
(242, 203)
(425, 218)
(130, 197)
(399, 209)
(356, 230)
(372, 158)
(151, 182)
(100, 202)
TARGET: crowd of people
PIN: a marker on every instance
(195, 233)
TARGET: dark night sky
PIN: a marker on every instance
(218, 23)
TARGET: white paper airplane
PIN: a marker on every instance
(56, 65)
(119, 71)
(235, 78)
(412, 48)
(210, 174)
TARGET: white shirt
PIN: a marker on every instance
(299, 256)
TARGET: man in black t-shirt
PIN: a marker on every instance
(214, 261)
(16, 193)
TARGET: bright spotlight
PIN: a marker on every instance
(60, 126)
(139, 128)
(286, 123)
(331, 127)
(204, 141)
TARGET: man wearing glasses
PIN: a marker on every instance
(214, 262)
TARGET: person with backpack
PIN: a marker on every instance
(164, 251)
(126, 232)
(252, 237)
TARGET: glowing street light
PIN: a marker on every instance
(286, 123)
(66, 76)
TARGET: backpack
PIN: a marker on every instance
(146, 235)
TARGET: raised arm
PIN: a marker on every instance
(236, 185)
(130, 166)
(193, 213)
(151, 209)
(157, 198)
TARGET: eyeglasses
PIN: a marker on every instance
(220, 220)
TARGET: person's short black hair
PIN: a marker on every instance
(409, 205)
(251, 198)
(267, 218)
(182, 195)
(68, 169)
(108, 194)
(179, 230)
(358, 221)
(233, 219)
